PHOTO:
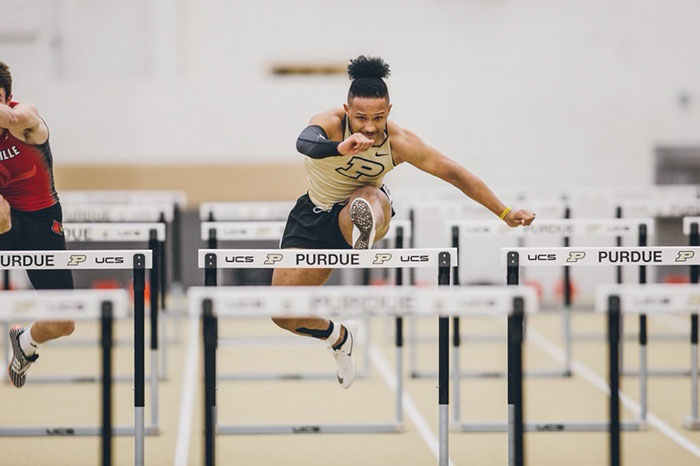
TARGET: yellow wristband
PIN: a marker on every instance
(504, 213)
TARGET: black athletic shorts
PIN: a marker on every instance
(36, 231)
(310, 227)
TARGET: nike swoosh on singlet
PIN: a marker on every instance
(379, 155)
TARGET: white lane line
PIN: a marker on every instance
(388, 374)
(583, 371)
(189, 376)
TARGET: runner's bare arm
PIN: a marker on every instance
(27, 125)
(408, 147)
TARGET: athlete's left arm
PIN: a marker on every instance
(408, 147)
(27, 124)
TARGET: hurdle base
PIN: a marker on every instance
(691, 423)
(275, 429)
(544, 373)
(630, 337)
(464, 338)
(49, 379)
(267, 342)
(80, 431)
(659, 373)
(582, 426)
(253, 376)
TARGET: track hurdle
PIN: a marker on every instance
(642, 300)
(692, 421)
(176, 199)
(433, 214)
(213, 259)
(137, 261)
(104, 306)
(660, 202)
(126, 213)
(153, 234)
(515, 258)
(213, 303)
(464, 230)
(213, 232)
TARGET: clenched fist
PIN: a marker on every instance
(355, 144)
(520, 217)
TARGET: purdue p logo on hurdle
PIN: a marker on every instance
(575, 256)
(273, 258)
(381, 258)
(684, 256)
(76, 259)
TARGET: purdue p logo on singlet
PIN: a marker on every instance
(334, 179)
(357, 166)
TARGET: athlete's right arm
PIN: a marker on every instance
(313, 142)
(7, 116)
(24, 122)
(321, 138)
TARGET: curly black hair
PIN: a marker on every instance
(367, 75)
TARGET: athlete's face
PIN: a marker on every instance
(368, 115)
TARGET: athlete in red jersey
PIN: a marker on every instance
(30, 214)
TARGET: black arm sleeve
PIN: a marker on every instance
(314, 143)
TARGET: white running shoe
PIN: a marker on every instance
(363, 230)
(345, 365)
(20, 363)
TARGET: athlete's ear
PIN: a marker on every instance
(345, 107)
(389, 110)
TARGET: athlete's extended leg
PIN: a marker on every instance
(367, 215)
(338, 335)
(25, 342)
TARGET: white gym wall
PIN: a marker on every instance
(521, 92)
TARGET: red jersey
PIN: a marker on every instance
(26, 173)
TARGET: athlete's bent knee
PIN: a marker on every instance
(368, 193)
